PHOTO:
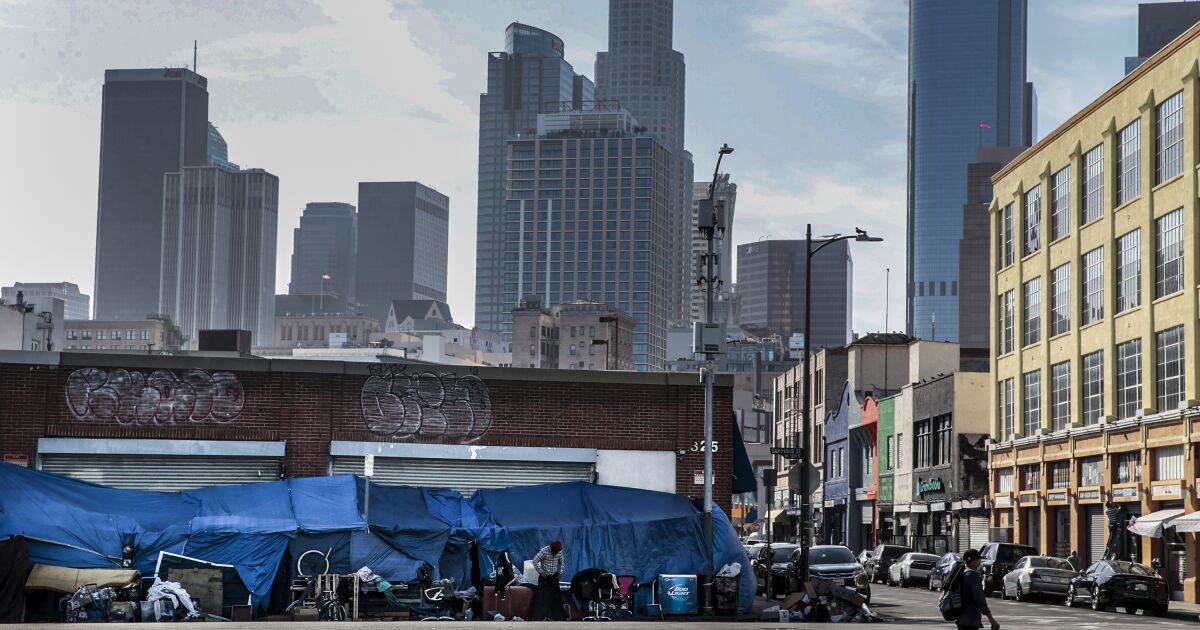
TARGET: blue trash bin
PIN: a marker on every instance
(678, 594)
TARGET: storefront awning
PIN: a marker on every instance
(743, 472)
(1152, 524)
(1184, 524)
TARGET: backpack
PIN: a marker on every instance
(950, 603)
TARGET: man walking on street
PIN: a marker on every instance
(547, 600)
(974, 603)
(1074, 560)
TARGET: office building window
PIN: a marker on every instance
(1091, 471)
(1129, 271)
(1031, 410)
(1060, 299)
(1059, 474)
(1168, 377)
(1060, 395)
(1031, 477)
(1005, 398)
(1168, 463)
(1093, 387)
(1168, 125)
(1093, 184)
(1060, 205)
(1004, 480)
(1129, 156)
(1004, 257)
(1004, 311)
(1031, 307)
(1168, 254)
(1031, 224)
(1127, 467)
(1093, 286)
(1129, 378)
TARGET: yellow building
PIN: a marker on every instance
(1094, 319)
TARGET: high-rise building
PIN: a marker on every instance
(403, 240)
(218, 251)
(587, 218)
(324, 251)
(645, 75)
(76, 305)
(152, 122)
(966, 90)
(726, 192)
(525, 78)
(1158, 24)
(218, 149)
(770, 287)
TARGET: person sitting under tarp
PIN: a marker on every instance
(547, 600)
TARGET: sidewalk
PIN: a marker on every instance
(1183, 611)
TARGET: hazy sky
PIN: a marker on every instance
(329, 93)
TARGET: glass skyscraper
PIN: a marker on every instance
(966, 90)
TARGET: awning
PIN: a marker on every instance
(743, 472)
(1185, 524)
(1153, 523)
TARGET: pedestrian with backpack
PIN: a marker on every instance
(968, 585)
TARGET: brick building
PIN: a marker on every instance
(171, 422)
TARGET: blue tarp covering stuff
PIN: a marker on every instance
(627, 531)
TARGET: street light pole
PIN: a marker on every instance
(805, 420)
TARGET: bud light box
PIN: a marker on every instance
(678, 594)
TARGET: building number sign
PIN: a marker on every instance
(698, 447)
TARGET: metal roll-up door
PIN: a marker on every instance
(1097, 532)
(979, 529)
(163, 472)
(466, 475)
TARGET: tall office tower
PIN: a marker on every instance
(966, 90)
(527, 77)
(403, 241)
(152, 122)
(218, 149)
(1158, 24)
(645, 75)
(726, 191)
(770, 289)
(218, 252)
(324, 251)
(76, 305)
(586, 219)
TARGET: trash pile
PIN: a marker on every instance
(823, 601)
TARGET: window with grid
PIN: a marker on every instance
(1005, 396)
(1031, 224)
(1091, 471)
(1093, 286)
(1031, 308)
(1168, 254)
(891, 448)
(923, 444)
(1004, 480)
(1168, 125)
(1059, 474)
(1093, 184)
(1093, 387)
(1031, 477)
(1004, 311)
(1060, 299)
(1060, 395)
(1004, 257)
(1060, 204)
(1129, 271)
(1168, 463)
(1031, 409)
(943, 437)
(1127, 467)
(1129, 378)
(1168, 377)
(1129, 155)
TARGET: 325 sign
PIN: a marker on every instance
(699, 447)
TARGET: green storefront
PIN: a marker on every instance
(887, 465)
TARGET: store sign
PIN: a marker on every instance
(1057, 497)
(16, 459)
(1166, 491)
(1029, 499)
(937, 507)
(1125, 494)
(931, 485)
(1003, 500)
(828, 503)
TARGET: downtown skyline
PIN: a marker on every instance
(294, 94)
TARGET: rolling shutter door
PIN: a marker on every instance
(163, 472)
(979, 530)
(466, 475)
(1094, 518)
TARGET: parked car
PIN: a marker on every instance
(1038, 576)
(772, 564)
(911, 567)
(831, 562)
(1115, 583)
(752, 552)
(882, 558)
(998, 560)
(937, 577)
(864, 557)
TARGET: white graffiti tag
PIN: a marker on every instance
(132, 397)
(427, 405)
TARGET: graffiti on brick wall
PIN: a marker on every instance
(401, 405)
(162, 397)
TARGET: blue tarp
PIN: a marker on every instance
(630, 532)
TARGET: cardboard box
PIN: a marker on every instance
(205, 586)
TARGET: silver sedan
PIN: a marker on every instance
(911, 567)
(1034, 576)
